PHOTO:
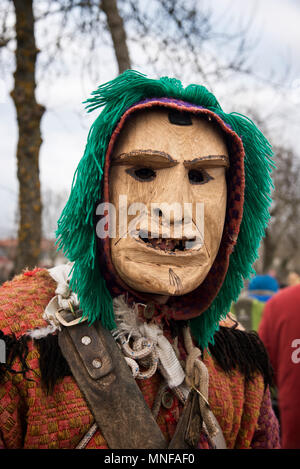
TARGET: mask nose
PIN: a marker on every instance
(170, 210)
(172, 213)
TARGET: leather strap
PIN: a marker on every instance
(109, 388)
(190, 426)
(187, 433)
(115, 400)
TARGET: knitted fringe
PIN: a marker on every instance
(232, 349)
(236, 349)
(53, 365)
(14, 349)
(76, 231)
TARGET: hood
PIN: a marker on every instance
(94, 278)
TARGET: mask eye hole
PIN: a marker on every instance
(142, 174)
(197, 176)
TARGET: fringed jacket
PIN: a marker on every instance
(41, 405)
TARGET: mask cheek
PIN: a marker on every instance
(214, 219)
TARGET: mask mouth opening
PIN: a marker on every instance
(171, 245)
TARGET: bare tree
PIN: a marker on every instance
(181, 33)
(29, 114)
(187, 37)
(280, 247)
(117, 31)
(282, 243)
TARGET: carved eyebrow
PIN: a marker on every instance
(138, 156)
(165, 160)
(211, 160)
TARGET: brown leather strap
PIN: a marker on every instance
(190, 426)
(187, 433)
(109, 388)
(114, 398)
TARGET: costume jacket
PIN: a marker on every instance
(41, 405)
(31, 417)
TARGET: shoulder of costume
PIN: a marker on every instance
(23, 301)
(24, 323)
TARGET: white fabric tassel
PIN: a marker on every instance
(169, 365)
(64, 299)
(130, 326)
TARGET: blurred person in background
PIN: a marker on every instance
(280, 331)
(249, 307)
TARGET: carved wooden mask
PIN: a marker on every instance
(161, 158)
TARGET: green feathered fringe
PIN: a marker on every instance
(76, 233)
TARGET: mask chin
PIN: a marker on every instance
(150, 269)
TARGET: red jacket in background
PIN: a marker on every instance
(280, 331)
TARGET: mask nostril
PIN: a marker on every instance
(158, 212)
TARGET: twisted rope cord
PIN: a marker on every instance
(141, 352)
(197, 378)
(146, 344)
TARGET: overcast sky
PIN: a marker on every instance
(65, 124)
